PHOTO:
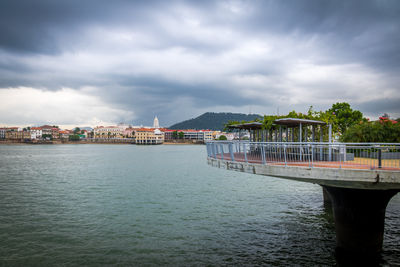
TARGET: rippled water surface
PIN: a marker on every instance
(159, 205)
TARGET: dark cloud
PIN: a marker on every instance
(380, 106)
(180, 57)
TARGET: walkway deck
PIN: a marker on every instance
(356, 164)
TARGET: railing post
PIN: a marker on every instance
(284, 153)
(231, 151)
(301, 151)
(312, 155)
(262, 154)
(330, 143)
(245, 152)
(222, 151)
(379, 158)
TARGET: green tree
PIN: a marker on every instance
(175, 134)
(49, 136)
(181, 135)
(345, 115)
(381, 131)
(77, 130)
(222, 137)
(73, 137)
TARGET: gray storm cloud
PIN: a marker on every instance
(176, 59)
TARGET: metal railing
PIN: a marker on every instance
(384, 156)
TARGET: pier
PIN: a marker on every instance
(358, 180)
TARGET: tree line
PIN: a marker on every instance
(348, 125)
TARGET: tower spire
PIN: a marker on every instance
(156, 124)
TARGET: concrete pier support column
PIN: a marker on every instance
(359, 216)
(327, 198)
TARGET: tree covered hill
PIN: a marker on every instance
(213, 121)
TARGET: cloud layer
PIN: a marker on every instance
(177, 59)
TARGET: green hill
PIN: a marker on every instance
(213, 121)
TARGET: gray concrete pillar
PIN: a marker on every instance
(359, 216)
(327, 198)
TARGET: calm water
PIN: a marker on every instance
(159, 205)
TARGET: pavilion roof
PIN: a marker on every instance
(292, 122)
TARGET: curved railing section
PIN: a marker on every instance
(366, 156)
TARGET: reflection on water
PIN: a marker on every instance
(159, 205)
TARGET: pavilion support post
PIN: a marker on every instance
(280, 134)
(313, 133)
(301, 140)
(292, 130)
(359, 216)
(313, 140)
(321, 139)
(300, 133)
(330, 142)
(287, 134)
(306, 134)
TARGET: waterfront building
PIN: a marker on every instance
(123, 126)
(47, 130)
(207, 135)
(129, 132)
(108, 132)
(148, 136)
(168, 134)
(197, 135)
(3, 133)
(64, 134)
(229, 136)
(17, 135)
(193, 135)
(36, 133)
(55, 133)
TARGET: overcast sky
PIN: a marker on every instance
(103, 62)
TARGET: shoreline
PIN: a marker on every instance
(94, 143)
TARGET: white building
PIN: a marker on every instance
(108, 132)
(156, 124)
(207, 135)
(3, 133)
(36, 133)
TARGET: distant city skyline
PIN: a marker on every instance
(103, 62)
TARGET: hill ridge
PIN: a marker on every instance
(213, 120)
